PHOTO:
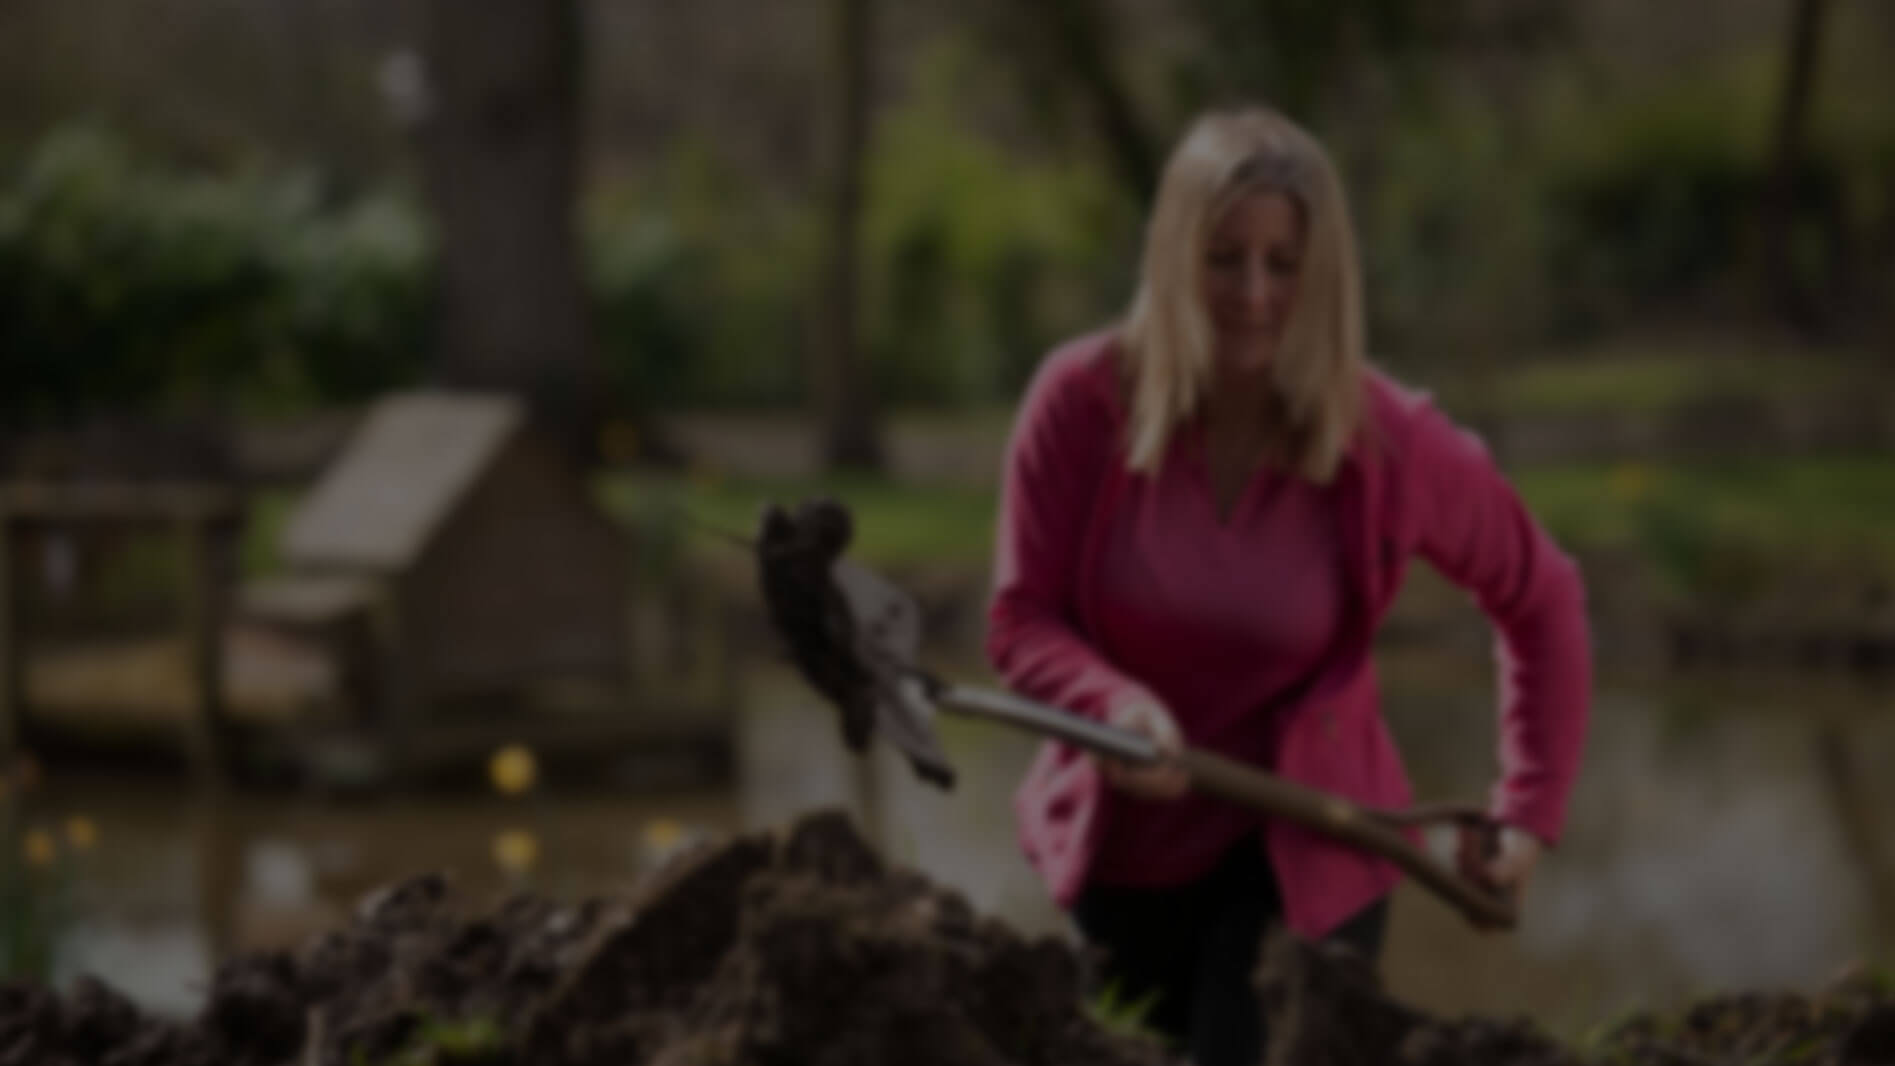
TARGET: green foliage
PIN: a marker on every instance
(643, 277)
(452, 1042)
(123, 285)
(1799, 533)
(1567, 209)
(897, 523)
(355, 288)
(36, 887)
(32, 913)
(1121, 1013)
(1454, 236)
(706, 278)
(1291, 53)
(1776, 534)
(978, 259)
(712, 281)
(1656, 190)
(1656, 378)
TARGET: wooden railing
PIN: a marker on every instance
(203, 517)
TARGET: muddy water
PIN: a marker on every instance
(1722, 835)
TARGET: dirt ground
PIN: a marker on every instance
(1328, 1009)
(797, 946)
(801, 946)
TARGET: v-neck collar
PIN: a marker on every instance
(1197, 441)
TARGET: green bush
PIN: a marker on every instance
(355, 297)
(123, 285)
(707, 277)
(979, 259)
(1486, 231)
(1454, 237)
(643, 278)
(1656, 193)
(713, 287)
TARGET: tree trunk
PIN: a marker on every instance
(843, 397)
(1085, 41)
(1064, 58)
(1786, 291)
(502, 146)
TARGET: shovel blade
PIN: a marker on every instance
(887, 631)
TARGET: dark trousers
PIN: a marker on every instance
(1195, 948)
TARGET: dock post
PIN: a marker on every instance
(12, 649)
(204, 639)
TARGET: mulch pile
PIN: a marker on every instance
(801, 946)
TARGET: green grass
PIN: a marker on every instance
(1795, 506)
(1124, 1015)
(1715, 533)
(1792, 507)
(896, 524)
(1811, 537)
(263, 530)
(1635, 379)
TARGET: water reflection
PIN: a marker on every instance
(1718, 838)
(1708, 847)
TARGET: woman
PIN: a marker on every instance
(1207, 511)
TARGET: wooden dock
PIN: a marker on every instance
(230, 694)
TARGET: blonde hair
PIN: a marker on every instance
(1167, 336)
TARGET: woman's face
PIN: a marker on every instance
(1253, 263)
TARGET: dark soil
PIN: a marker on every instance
(800, 946)
(1328, 1009)
(789, 947)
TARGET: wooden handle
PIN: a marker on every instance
(1345, 821)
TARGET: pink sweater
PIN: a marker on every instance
(1067, 627)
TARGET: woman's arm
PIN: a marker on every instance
(1471, 524)
(1064, 437)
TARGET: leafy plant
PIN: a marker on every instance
(1119, 1012)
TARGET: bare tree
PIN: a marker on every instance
(1065, 56)
(1304, 58)
(844, 399)
(1787, 292)
(502, 144)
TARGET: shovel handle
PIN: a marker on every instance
(1351, 823)
(1372, 830)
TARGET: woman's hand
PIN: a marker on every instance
(1501, 861)
(1163, 780)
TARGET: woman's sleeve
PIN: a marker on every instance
(1063, 438)
(1473, 527)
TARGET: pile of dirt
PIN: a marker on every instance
(800, 946)
(797, 946)
(1328, 1009)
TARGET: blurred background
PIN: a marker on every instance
(368, 371)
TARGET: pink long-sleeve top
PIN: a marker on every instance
(1254, 629)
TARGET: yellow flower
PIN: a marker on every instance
(515, 851)
(663, 834)
(39, 848)
(513, 770)
(81, 833)
(1630, 482)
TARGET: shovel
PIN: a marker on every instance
(856, 637)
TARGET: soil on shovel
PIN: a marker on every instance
(801, 946)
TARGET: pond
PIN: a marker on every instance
(1729, 833)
